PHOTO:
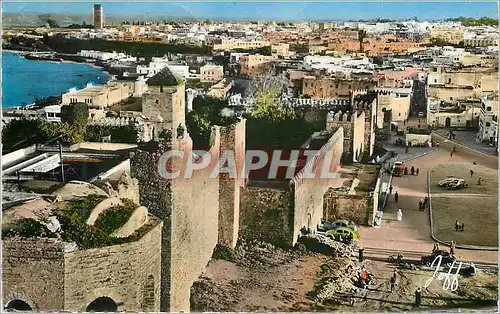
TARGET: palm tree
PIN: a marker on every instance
(361, 37)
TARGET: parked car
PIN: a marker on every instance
(341, 233)
(446, 182)
(398, 168)
(344, 223)
(458, 184)
(420, 114)
(447, 259)
(326, 226)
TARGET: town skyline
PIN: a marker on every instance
(273, 11)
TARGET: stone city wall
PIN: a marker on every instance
(358, 137)
(344, 120)
(155, 193)
(266, 214)
(190, 209)
(232, 139)
(194, 225)
(349, 207)
(308, 193)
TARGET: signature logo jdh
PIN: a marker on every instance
(450, 280)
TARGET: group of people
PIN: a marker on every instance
(396, 195)
(435, 249)
(346, 239)
(459, 226)
(422, 204)
(413, 171)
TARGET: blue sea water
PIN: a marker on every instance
(25, 80)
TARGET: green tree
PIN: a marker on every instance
(119, 134)
(361, 38)
(207, 112)
(267, 92)
(77, 113)
(52, 23)
(21, 133)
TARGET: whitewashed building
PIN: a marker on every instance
(488, 119)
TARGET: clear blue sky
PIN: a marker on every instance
(269, 11)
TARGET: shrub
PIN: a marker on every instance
(115, 217)
(84, 205)
(75, 229)
(28, 228)
(22, 133)
(166, 135)
(223, 253)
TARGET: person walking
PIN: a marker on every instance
(435, 248)
(462, 227)
(471, 173)
(392, 282)
(390, 189)
(396, 197)
(400, 214)
(452, 248)
(457, 225)
(417, 171)
(426, 200)
(412, 170)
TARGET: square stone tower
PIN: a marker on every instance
(165, 103)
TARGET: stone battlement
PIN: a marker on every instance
(318, 103)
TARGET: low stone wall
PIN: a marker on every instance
(418, 139)
(266, 215)
(39, 272)
(120, 272)
(33, 272)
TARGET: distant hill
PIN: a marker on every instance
(36, 20)
(64, 20)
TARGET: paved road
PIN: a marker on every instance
(467, 138)
(413, 232)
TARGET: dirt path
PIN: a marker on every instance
(291, 284)
(262, 280)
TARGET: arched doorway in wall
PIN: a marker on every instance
(102, 304)
(17, 305)
(148, 295)
(447, 122)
